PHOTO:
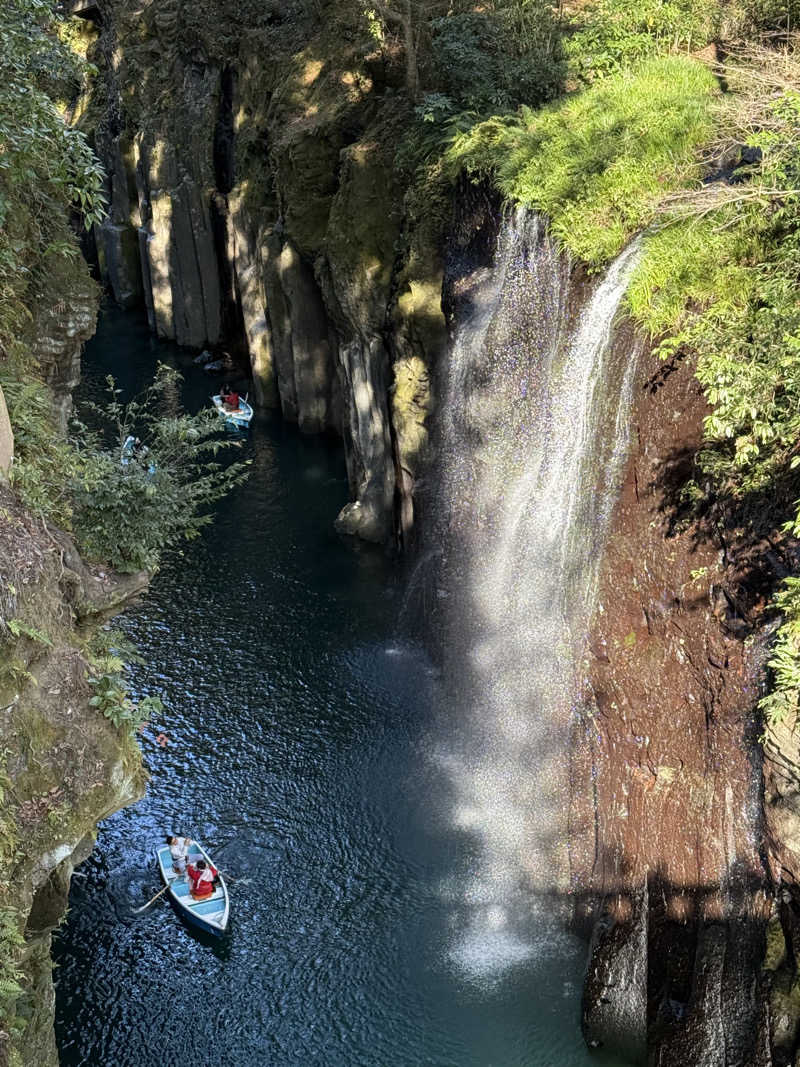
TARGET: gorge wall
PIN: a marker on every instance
(667, 823)
(64, 767)
(255, 204)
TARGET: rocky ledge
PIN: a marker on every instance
(64, 766)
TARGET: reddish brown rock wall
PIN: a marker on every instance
(666, 766)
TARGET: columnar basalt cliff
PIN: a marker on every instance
(255, 205)
(63, 766)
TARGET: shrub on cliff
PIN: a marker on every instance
(603, 37)
(598, 163)
(123, 514)
(611, 35)
(46, 168)
(129, 513)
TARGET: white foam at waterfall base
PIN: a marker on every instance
(534, 436)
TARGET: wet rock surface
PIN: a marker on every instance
(615, 988)
(668, 752)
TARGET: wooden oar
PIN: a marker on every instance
(230, 878)
(152, 900)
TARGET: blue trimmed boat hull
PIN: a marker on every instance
(211, 914)
(239, 419)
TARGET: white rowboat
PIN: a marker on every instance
(239, 418)
(212, 912)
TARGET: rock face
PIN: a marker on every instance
(59, 329)
(255, 204)
(666, 765)
(65, 766)
(615, 987)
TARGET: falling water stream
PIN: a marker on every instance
(533, 433)
(398, 823)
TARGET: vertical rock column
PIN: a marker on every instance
(179, 261)
(363, 230)
(244, 253)
(291, 349)
(116, 237)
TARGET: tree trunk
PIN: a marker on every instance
(403, 18)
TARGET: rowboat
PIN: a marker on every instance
(240, 418)
(209, 914)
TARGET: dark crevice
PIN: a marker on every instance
(224, 168)
(232, 321)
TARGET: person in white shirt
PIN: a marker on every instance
(178, 849)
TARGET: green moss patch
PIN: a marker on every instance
(599, 162)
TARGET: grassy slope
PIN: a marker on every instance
(599, 162)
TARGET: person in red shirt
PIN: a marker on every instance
(230, 398)
(201, 879)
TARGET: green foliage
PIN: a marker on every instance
(44, 463)
(128, 514)
(784, 663)
(722, 282)
(45, 167)
(23, 629)
(498, 57)
(612, 35)
(606, 36)
(111, 697)
(125, 515)
(110, 651)
(11, 939)
(598, 163)
(108, 654)
(686, 267)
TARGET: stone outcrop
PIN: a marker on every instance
(782, 826)
(62, 323)
(6, 438)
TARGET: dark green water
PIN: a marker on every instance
(302, 739)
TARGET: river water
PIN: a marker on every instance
(305, 740)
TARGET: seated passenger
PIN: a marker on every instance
(201, 879)
(178, 848)
(129, 449)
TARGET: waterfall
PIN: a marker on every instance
(532, 435)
